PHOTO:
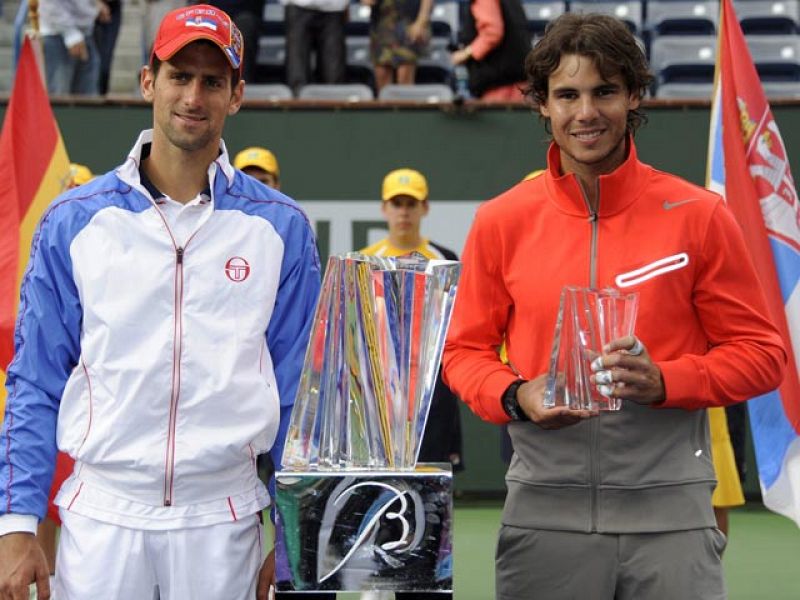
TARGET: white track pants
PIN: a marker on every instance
(98, 560)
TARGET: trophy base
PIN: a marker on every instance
(365, 530)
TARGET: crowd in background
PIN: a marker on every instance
(79, 39)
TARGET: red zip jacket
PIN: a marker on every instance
(702, 317)
(704, 323)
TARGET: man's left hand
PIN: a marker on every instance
(418, 31)
(625, 370)
(266, 578)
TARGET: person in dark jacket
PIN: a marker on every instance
(495, 42)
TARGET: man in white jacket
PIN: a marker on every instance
(163, 322)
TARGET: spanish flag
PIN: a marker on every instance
(34, 169)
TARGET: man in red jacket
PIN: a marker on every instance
(618, 504)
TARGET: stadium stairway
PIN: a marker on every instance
(127, 57)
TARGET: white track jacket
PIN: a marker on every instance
(163, 367)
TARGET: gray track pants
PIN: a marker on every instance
(562, 565)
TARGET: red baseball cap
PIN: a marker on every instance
(198, 22)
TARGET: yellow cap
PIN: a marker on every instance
(533, 174)
(405, 182)
(79, 174)
(257, 157)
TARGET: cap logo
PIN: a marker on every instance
(202, 22)
(404, 179)
(234, 50)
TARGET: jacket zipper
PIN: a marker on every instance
(594, 466)
(177, 348)
(169, 472)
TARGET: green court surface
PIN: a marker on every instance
(762, 561)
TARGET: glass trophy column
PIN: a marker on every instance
(354, 510)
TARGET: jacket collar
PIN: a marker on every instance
(618, 189)
(129, 170)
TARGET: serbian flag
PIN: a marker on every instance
(747, 164)
(34, 169)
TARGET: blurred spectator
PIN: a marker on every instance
(106, 31)
(317, 25)
(79, 175)
(71, 59)
(399, 34)
(261, 164)
(247, 14)
(495, 41)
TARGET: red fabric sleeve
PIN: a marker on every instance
(472, 366)
(490, 26)
(746, 354)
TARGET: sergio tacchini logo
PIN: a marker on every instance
(670, 205)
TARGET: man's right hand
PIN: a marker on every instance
(22, 562)
(531, 399)
(79, 51)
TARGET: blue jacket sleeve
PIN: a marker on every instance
(46, 349)
(290, 325)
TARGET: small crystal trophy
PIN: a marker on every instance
(588, 319)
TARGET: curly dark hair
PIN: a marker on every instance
(604, 39)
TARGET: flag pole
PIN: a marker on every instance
(33, 35)
(33, 17)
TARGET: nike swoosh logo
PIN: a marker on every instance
(670, 205)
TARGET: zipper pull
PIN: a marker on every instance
(592, 217)
(179, 255)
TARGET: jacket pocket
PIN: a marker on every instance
(76, 411)
(652, 269)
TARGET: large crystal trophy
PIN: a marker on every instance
(354, 510)
(588, 319)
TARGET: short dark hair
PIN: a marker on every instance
(604, 39)
(155, 64)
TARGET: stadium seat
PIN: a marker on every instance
(343, 92)
(267, 91)
(777, 57)
(271, 53)
(358, 20)
(444, 20)
(435, 66)
(679, 17)
(685, 90)
(272, 19)
(539, 14)
(629, 11)
(359, 68)
(785, 90)
(766, 17)
(431, 93)
(683, 59)
(271, 59)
